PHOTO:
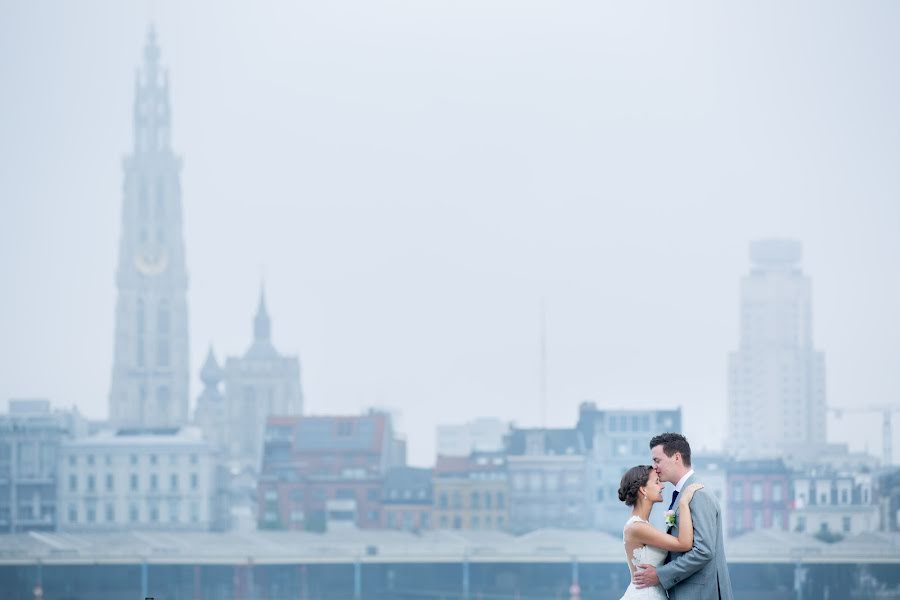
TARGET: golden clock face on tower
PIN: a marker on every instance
(151, 263)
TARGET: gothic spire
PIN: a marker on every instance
(151, 101)
(261, 324)
(211, 373)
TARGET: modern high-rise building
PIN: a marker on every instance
(150, 360)
(776, 378)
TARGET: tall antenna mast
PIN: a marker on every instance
(543, 377)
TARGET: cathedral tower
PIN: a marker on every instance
(150, 359)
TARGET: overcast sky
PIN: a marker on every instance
(411, 178)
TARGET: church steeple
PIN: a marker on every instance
(152, 118)
(261, 324)
(150, 358)
(211, 373)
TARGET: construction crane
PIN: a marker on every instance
(887, 431)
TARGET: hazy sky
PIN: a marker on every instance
(412, 177)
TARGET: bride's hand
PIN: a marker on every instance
(689, 492)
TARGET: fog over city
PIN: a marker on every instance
(412, 181)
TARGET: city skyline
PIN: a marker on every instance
(404, 264)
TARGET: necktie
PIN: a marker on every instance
(674, 498)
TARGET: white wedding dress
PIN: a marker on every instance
(644, 555)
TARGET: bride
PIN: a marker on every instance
(644, 544)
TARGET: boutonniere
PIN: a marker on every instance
(670, 518)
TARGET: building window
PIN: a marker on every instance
(777, 492)
(90, 460)
(154, 482)
(194, 481)
(475, 499)
(174, 516)
(442, 500)
(162, 319)
(737, 492)
(443, 522)
(488, 500)
(500, 500)
(195, 512)
(162, 405)
(476, 523)
(457, 522)
(133, 482)
(134, 459)
(73, 483)
(757, 520)
(756, 492)
(456, 501)
(72, 460)
(110, 482)
(133, 513)
(845, 497)
(193, 459)
(110, 513)
(91, 514)
(73, 513)
(801, 524)
(154, 513)
(152, 459)
(139, 318)
(846, 524)
(173, 482)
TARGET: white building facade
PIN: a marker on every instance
(834, 503)
(136, 479)
(776, 378)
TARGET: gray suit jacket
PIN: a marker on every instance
(700, 573)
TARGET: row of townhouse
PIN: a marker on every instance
(549, 478)
(350, 471)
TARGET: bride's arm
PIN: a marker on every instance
(644, 533)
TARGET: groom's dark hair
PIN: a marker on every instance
(672, 443)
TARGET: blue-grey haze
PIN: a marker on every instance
(412, 178)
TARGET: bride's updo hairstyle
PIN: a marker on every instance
(632, 481)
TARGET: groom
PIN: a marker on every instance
(701, 572)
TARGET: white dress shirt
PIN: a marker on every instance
(681, 481)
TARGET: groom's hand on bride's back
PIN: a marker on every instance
(645, 576)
